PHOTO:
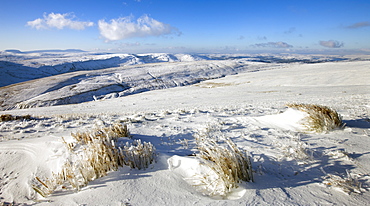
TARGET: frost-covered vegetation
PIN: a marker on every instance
(92, 155)
(348, 185)
(229, 164)
(320, 118)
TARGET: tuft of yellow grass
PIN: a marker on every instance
(320, 118)
(108, 133)
(100, 154)
(230, 164)
(9, 117)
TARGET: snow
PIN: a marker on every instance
(18, 67)
(289, 120)
(237, 98)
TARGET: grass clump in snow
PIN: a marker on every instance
(349, 184)
(108, 133)
(93, 155)
(320, 118)
(293, 148)
(9, 117)
(138, 155)
(231, 165)
(296, 150)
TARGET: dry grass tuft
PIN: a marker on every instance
(108, 133)
(230, 164)
(320, 119)
(9, 117)
(93, 155)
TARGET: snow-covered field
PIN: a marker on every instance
(168, 100)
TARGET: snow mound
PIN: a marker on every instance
(303, 118)
(202, 177)
(41, 158)
(291, 119)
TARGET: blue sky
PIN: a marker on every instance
(185, 25)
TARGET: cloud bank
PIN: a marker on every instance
(126, 27)
(331, 44)
(59, 21)
(359, 25)
(274, 45)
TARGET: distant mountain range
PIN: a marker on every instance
(40, 51)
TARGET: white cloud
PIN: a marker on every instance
(59, 21)
(127, 44)
(125, 27)
(331, 44)
(37, 23)
(274, 45)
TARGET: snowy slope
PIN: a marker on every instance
(18, 66)
(83, 86)
(69, 78)
(291, 167)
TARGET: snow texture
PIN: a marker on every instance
(168, 99)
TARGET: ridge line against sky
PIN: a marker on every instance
(186, 26)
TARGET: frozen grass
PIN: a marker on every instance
(92, 155)
(231, 165)
(320, 119)
(138, 155)
(108, 133)
(347, 184)
(295, 149)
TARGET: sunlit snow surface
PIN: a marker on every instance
(166, 99)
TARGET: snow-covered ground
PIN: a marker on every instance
(168, 103)
(18, 67)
